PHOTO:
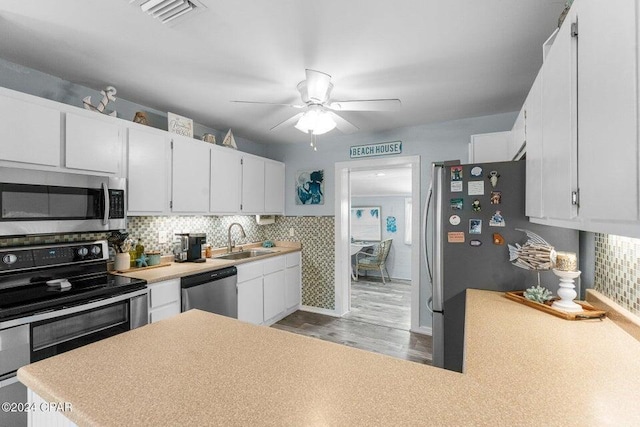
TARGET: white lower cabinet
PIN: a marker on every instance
(250, 294)
(273, 285)
(268, 289)
(164, 300)
(292, 281)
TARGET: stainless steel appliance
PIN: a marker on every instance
(213, 291)
(463, 212)
(41, 316)
(37, 202)
(189, 247)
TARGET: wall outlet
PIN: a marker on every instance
(164, 236)
(292, 232)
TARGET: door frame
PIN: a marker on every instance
(342, 274)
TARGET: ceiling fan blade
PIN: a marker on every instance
(290, 121)
(366, 105)
(343, 125)
(269, 103)
(318, 86)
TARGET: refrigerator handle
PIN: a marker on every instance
(438, 235)
(425, 221)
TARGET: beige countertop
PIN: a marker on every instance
(523, 367)
(180, 269)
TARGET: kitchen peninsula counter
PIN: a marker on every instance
(523, 367)
(177, 270)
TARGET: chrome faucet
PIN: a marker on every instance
(230, 243)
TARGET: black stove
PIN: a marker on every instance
(25, 271)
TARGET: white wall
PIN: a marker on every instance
(432, 142)
(399, 259)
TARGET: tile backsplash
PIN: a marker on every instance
(315, 233)
(617, 270)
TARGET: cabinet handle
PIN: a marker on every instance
(575, 198)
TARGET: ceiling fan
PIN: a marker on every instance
(319, 114)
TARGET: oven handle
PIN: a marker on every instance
(72, 310)
(105, 194)
(8, 379)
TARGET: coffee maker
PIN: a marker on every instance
(189, 247)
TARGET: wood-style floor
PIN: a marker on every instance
(379, 321)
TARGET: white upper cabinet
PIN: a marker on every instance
(533, 131)
(149, 170)
(608, 110)
(252, 184)
(518, 135)
(559, 117)
(93, 143)
(30, 133)
(273, 187)
(490, 147)
(590, 159)
(226, 177)
(191, 167)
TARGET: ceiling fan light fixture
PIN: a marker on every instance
(316, 122)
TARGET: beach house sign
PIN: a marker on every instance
(371, 150)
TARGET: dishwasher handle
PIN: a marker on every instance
(208, 276)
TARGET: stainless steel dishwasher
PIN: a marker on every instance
(213, 291)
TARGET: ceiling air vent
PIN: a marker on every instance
(168, 10)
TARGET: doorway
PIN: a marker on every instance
(348, 189)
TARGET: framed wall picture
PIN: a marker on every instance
(310, 187)
(366, 223)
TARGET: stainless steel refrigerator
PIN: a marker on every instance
(472, 213)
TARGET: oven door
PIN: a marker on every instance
(60, 334)
(46, 202)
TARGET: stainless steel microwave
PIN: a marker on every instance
(37, 202)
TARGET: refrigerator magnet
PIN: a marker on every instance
(455, 237)
(475, 226)
(457, 204)
(456, 186)
(454, 220)
(493, 178)
(496, 197)
(475, 243)
(475, 188)
(498, 239)
(476, 206)
(456, 173)
(476, 171)
(497, 220)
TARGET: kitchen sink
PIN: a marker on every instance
(245, 254)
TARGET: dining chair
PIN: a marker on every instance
(375, 261)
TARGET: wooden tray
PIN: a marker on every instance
(131, 270)
(589, 312)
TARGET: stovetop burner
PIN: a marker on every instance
(23, 289)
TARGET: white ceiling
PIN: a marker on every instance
(444, 59)
(381, 182)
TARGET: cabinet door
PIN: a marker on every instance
(148, 172)
(190, 184)
(226, 176)
(533, 125)
(92, 144)
(252, 185)
(273, 187)
(559, 117)
(292, 282)
(608, 108)
(29, 133)
(490, 147)
(250, 297)
(274, 304)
